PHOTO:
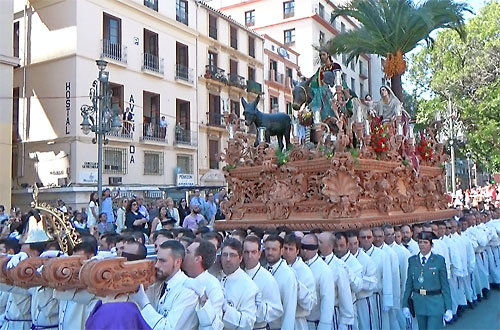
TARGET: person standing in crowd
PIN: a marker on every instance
(427, 286)
(240, 305)
(121, 215)
(268, 301)
(321, 316)
(177, 303)
(78, 221)
(3, 216)
(210, 208)
(133, 219)
(194, 219)
(219, 196)
(200, 256)
(306, 286)
(197, 199)
(287, 282)
(92, 210)
(172, 211)
(407, 239)
(61, 206)
(183, 211)
(107, 207)
(157, 221)
(142, 208)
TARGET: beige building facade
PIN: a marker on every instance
(302, 25)
(157, 54)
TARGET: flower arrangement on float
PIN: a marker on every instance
(424, 148)
(379, 136)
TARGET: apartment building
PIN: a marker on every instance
(157, 52)
(9, 53)
(301, 25)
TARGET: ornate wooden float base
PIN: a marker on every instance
(342, 224)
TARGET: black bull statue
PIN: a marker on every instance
(276, 124)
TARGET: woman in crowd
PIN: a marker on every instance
(133, 218)
(172, 211)
(92, 210)
(120, 215)
(162, 216)
(78, 221)
(183, 211)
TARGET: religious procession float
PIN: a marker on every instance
(368, 164)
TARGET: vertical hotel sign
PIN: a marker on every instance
(67, 103)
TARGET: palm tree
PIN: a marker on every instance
(392, 28)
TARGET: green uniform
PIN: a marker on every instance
(428, 286)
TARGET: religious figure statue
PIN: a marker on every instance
(389, 106)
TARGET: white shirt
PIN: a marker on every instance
(344, 299)
(383, 274)
(74, 308)
(322, 311)
(412, 246)
(91, 220)
(210, 314)
(403, 256)
(176, 308)
(426, 256)
(306, 295)
(240, 296)
(287, 283)
(355, 272)
(270, 309)
(395, 276)
(368, 275)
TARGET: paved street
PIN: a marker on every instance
(485, 316)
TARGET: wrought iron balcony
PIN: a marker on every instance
(216, 73)
(185, 137)
(126, 132)
(184, 73)
(236, 80)
(254, 87)
(152, 63)
(114, 51)
(154, 132)
(215, 119)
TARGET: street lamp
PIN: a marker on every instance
(100, 117)
(468, 169)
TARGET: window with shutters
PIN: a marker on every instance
(153, 163)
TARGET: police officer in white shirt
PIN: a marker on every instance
(321, 316)
(306, 295)
(268, 300)
(344, 308)
(176, 307)
(200, 256)
(365, 301)
(383, 291)
(240, 306)
(287, 282)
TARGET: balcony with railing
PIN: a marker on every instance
(184, 73)
(215, 119)
(154, 132)
(254, 87)
(215, 73)
(114, 51)
(152, 63)
(185, 137)
(126, 132)
(237, 81)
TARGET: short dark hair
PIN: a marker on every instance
(339, 235)
(110, 238)
(387, 226)
(52, 245)
(38, 246)
(202, 230)
(206, 251)
(274, 238)
(213, 235)
(86, 247)
(11, 244)
(252, 239)
(165, 233)
(186, 239)
(239, 232)
(292, 239)
(352, 233)
(138, 235)
(283, 229)
(186, 232)
(176, 247)
(234, 244)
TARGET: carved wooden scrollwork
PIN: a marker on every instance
(63, 273)
(25, 274)
(116, 276)
(4, 278)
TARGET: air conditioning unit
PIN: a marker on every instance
(115, 180)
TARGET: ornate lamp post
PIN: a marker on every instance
(100, 117)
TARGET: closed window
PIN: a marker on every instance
(153, 4)
(15, 51)
(153, 163)
(212, 26)
(250, 18)
(289, 36)
(288, 9)
(112, 29)
(213, 151)
(273, 104)
(115, 160)
(185, 164)
(251, 46)
(251, 73)
(181, 11)
(234, 37)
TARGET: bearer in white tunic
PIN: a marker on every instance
(407, 240)
(240, 307)
(306, 295)
(365, 306)
(379, 242)
(321, 316)
(269, 307)
(176, 307)
(383, 291)
(344, 315)
(471, 262)
(200, 256)
(286, 279)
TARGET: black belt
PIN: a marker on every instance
(424, 292)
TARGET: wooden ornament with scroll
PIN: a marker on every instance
(25, 274)
(4, 278)
(116, 276)
(63, 273)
